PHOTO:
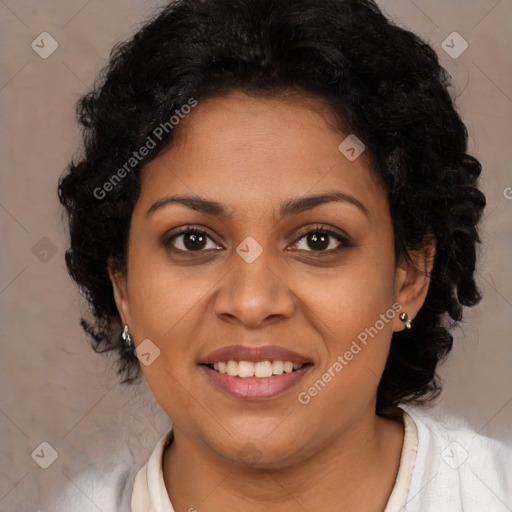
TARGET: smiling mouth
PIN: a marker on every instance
(260, 369)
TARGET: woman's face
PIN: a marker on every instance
(257, 280)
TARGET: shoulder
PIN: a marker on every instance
(457, 468)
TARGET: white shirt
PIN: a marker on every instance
(441, 470)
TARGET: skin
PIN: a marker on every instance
(251, 155)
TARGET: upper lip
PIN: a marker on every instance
(254, 354)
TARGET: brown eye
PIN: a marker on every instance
(321, 240)
(190, 240)
(318, 241)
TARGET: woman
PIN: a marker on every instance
(276, 215)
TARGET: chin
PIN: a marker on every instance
(253, 448)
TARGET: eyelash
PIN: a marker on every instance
(319, 230)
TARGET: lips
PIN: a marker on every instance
(255, 385)
(254, 354)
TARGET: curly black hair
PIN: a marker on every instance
(384, 84)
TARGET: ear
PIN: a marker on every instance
(412, 281)
(118, 280)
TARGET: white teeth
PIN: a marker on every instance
(232, 368)
(277, 367)
(261, 369)
(246, 369)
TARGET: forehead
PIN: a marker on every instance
(238, 147)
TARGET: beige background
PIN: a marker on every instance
(53, 388)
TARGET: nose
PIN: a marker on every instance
(255, 293)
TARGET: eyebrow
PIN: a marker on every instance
(289, 208)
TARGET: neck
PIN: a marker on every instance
(364, 456)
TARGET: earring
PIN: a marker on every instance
(404, 317)
(127, 338)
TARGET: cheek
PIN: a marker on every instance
(160, 294)
(169, 311)
(354, 296)
(167, 306)
(160, 302)
(354, 313)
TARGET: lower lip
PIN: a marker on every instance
(255, 388)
